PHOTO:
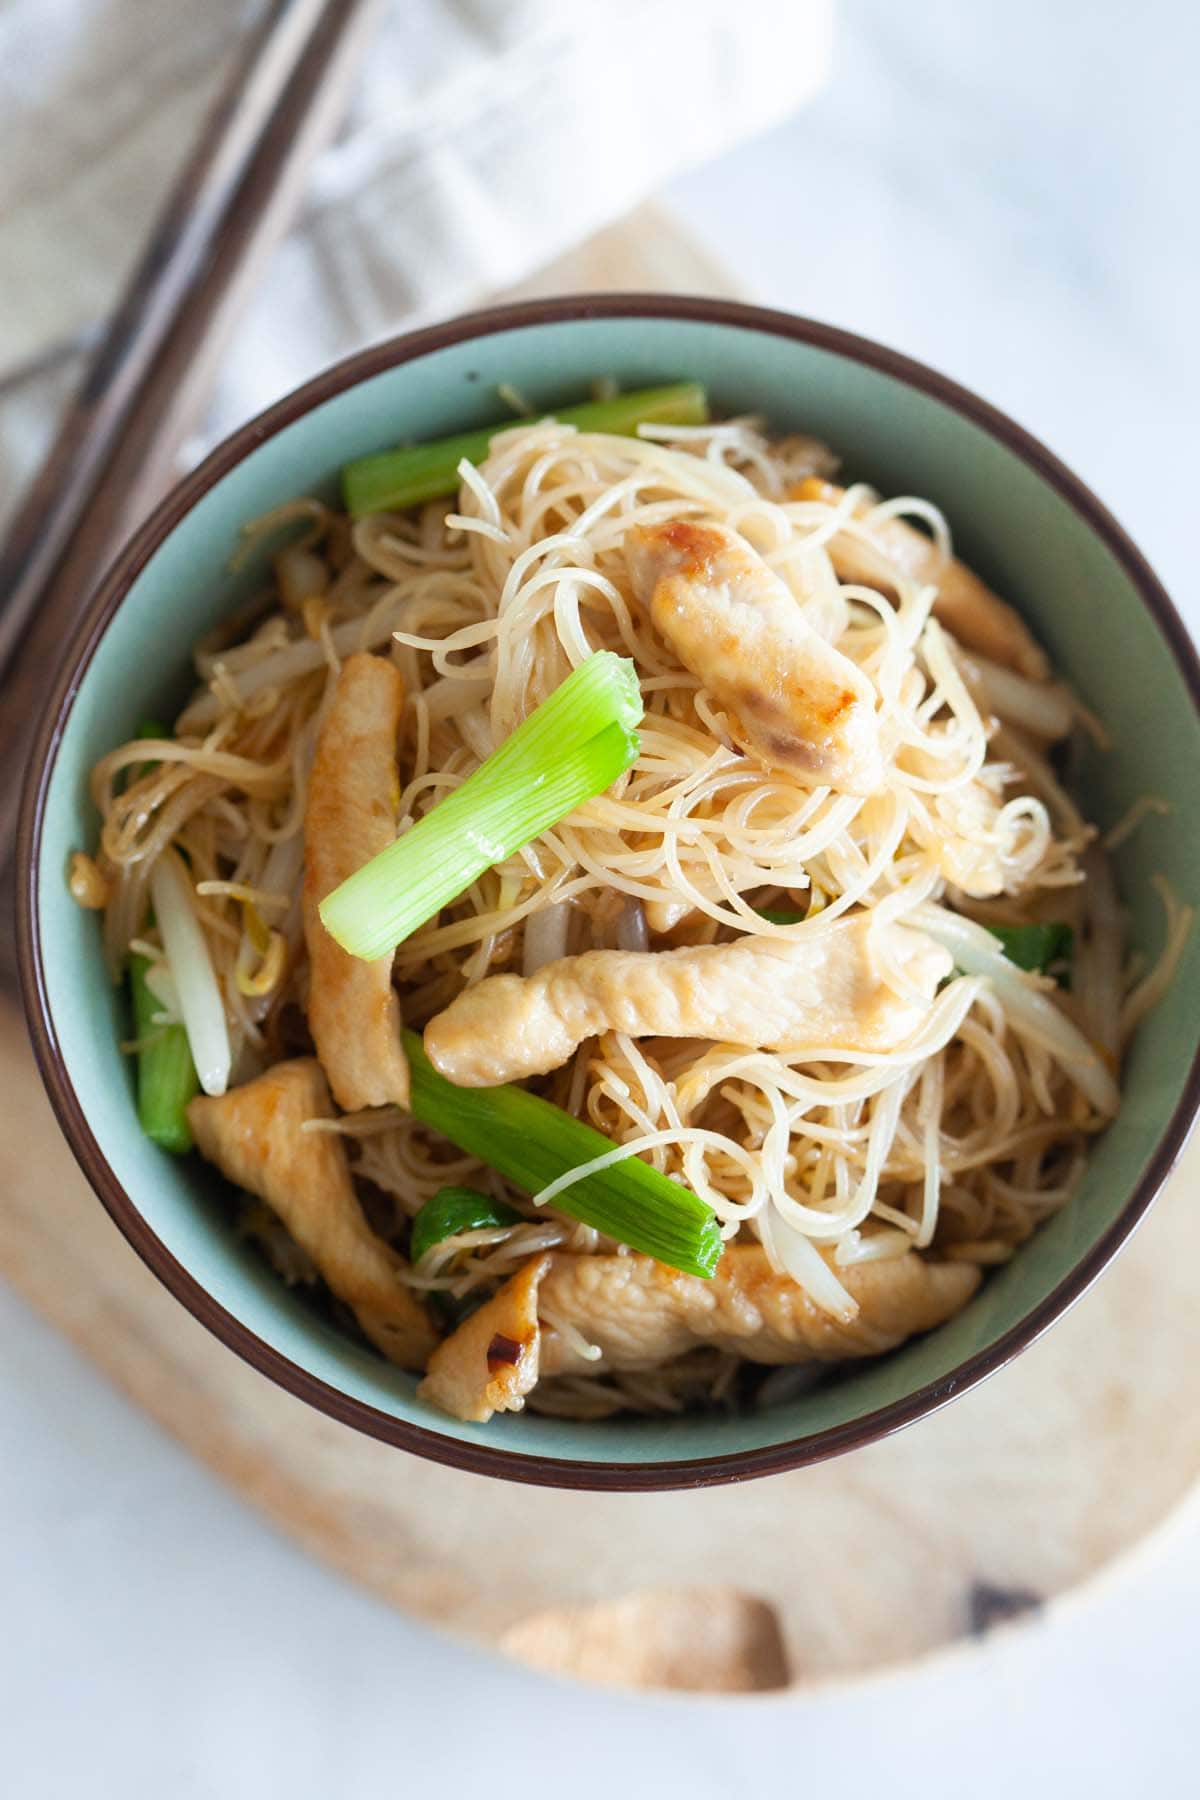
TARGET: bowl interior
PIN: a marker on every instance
(1009, 521)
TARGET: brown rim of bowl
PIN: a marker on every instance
(485, 1459)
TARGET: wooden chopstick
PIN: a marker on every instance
(140, 395)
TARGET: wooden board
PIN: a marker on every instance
(1009, 1498)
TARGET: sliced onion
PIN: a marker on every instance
(287, 664)
(281, 875)
(1027, 1007)
(300, 573)
(632, 930)
(546, 936)
(452, 695)
(200, 1004)
(1101, 988)
(877, 1246)
(789, 1250)
(161, 984)
(1042, 707)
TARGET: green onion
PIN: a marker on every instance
(411, 474)
(531, 1143)
(572, 746)
(166, 1074)
(453, 1210)
(776, 915)
(1035, 947)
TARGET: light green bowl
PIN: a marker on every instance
(1028, 525)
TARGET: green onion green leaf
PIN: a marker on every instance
(419, 472)
(574, 745)
(166, 1074)
(453, 1210)
(532, 1142)
(1035, 947)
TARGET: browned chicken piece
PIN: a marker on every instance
(638, 1312)
(253, 1134)
(965, 605)
(491, 1362)
(820, 990)
(792, 700)
(349, 817)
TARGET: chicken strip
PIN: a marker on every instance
(965, 605)
(818, 991)
(490, 1363)
(350, 815)
(638, 1312)
(253, 1134)
(792, 700)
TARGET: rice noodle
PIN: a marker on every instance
(958, 1143)
(1149, 991)
(1028, 1007)
(1144, 807)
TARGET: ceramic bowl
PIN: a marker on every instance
(1030, 527)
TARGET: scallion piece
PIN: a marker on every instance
(572, 746)
(166, 1074)
(418, 472)
(452, 1211)
(531, 1143)
(1035, 947)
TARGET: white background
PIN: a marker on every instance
(1006, 190)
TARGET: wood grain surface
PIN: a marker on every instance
(1010, 1497)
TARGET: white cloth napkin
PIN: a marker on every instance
(485, 138)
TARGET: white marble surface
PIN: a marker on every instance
(1001, 189)
(1005, 189)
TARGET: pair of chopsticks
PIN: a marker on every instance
(148, 381)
